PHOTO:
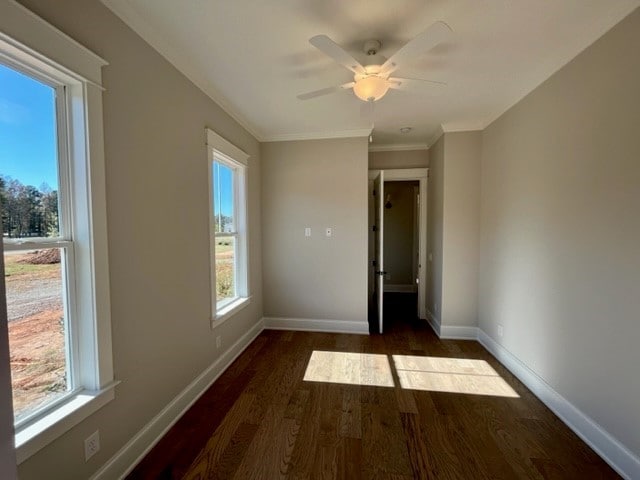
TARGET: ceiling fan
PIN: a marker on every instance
(373, 80)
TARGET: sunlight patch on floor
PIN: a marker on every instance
(350, 368)
(453, 375)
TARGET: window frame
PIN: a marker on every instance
(222, 151)
(32, 46)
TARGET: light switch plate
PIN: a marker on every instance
(307, 231)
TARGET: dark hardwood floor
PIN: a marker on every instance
(262, 420)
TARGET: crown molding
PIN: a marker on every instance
(454, 128)
(438, 133)
(463, 127)
(401, 147)
(129, 15)
(288, 137)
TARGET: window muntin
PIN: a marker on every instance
(228, 233)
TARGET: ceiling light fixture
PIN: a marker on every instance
(371, 88)
(405, 129)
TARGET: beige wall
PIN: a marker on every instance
(560, 231)
(317, 184)
(399, 233)
(435, 210)
(461, 228)
(453, 228)
(398, 159)
(157, 207)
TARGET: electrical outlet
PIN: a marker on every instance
(329, 231)
(435, 306)
(218, 341)
(91, 445)
(500, 330)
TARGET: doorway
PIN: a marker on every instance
(397, 245)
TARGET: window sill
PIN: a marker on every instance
(229, 310)
(39, 433)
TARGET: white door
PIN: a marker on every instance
(378, 188)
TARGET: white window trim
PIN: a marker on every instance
(29, 41)
(220, 148)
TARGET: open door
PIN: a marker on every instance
(378, 189)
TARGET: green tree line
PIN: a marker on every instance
(28, 211)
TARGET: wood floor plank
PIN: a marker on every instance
(297, 403)
(261, 459)
(421, 462)
(444, 460)
(325, 464)
(406, 401)
(349, 459)
(207, 460)
(303, 455)
(351, 414)
(384, 444)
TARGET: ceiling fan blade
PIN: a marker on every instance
(325, 91)
(399, 83)
(335, 51)
(424, 42)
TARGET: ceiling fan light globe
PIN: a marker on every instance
(371, 88)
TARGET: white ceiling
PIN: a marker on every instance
(253, 57)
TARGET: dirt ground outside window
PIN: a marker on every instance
(36, 328)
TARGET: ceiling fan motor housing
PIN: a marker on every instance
(371, 47)
(373, 58)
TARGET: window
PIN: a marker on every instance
(53, 218)
(38, 244)
(228, 227)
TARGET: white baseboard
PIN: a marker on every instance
(123, 462)
(400, 288)
(316, 325)
(433, 322)
(453, 332)
(611, 450)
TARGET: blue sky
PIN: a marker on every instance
(222, 189)
(27, 130)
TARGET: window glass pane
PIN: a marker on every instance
(223, 198)
(28, 157)
(225, 270)
(29, 206)
(37, 336)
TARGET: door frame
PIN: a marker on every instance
(421, 175)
